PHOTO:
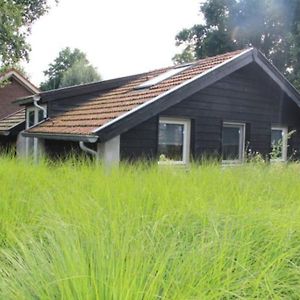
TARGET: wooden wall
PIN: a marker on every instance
(140, 142)
(247, 96)
(8, 144)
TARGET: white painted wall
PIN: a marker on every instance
(109, 152)
(21, 145)
(30, 147)
(39, 148)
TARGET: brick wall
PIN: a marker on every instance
(9, 93)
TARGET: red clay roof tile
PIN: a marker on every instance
(91, 114)
(9, 122)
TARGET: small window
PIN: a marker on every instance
(233, 142)
(279, 144)
(34, 116)
(174, 140)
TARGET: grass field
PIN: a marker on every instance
(76, 231)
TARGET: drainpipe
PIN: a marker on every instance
(86, 149)
(37, 98)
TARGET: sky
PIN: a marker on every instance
(119, 37)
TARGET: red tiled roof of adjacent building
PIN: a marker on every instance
(89, 115)
(11, 121)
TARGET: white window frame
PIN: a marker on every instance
(186, 139)
(242, 139)
(284, 143)
(36, 143)
(36, 115)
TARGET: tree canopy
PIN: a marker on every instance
(71, 67)
(80, 72)
(16, 18)
(273, 26)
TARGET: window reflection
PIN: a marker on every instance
(170, 145)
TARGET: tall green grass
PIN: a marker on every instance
(77, 231)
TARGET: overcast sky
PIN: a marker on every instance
(119, 37)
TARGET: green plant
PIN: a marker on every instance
(252, 156)
(277, 147)
(72, 230)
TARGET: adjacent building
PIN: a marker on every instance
(12, 117)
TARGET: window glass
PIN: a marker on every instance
(170, 144)
(40, 115)
(34, 116)
(31, 118)
(277, 143)
(232, 142)
(162, 77)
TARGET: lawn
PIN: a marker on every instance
(77, 231)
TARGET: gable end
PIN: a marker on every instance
(172, 97)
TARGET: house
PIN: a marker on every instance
(12, 117)
(216, 107)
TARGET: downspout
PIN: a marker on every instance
(86, 149)
(82, 146)
(37, 98)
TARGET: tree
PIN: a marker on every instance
(269, 25)
(16, 19)
(64, 66)
(4, 69)
(294, 70)
(81, 72)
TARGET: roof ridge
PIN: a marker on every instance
(223, 54)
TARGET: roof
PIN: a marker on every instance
(12, 121)
(117, 109)
(21, 79)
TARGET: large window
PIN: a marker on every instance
(279, 143)
(233, 142)
(174, 140)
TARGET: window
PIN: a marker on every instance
(162, 77)
(279, 143)
(174, 140)
(33, 117)
(233, 142)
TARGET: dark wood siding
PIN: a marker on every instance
(61, 149)
(8, 144)
(140, 142)
(246, 96)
